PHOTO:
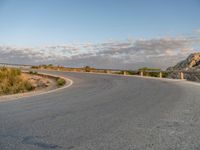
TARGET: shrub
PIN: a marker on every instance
(35, 67)
(87, 69)
(33, 72)
(152, 74)
(11, 81)
(60, 82)
(149, 69)
(165, 74)
(28, 86)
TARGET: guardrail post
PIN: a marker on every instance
(181, 75)
(160, 74)
(141, 73)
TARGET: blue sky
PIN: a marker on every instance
(38, 22)
(79, 32)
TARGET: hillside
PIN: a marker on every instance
(192, 62)
(190, 66)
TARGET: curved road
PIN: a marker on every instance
(105, 112)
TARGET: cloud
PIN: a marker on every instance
(131, 54)
(197, 31)
(146, 47)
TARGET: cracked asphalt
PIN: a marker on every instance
(105, 112)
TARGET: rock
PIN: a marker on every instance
(191, 63)
(38, 82)
(190, 67)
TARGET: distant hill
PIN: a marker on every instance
(191, 63)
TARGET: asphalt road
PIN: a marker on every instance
(104, 112)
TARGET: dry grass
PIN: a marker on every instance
(11, 82)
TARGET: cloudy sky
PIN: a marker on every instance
(125, 34)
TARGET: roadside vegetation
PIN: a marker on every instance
(149, 69)
(61, 68)
(60, 82)
(12, 82)
(153, 72)
(128, 72)
(156, 74)
(33, 72)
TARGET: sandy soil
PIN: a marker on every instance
(39, 82)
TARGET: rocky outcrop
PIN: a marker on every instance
(190, 67)
(191, 63)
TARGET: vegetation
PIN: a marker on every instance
(60, 82)
(151, 74)
(149, 69)
(130, 72)
(49, 66)
(127, 72)
(35, 67)
(61, 68)
(165, 74)
(87, 69)
(33, 72)
(12, 82)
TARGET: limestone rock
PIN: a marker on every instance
(193, 61)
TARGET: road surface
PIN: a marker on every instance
(105, 112)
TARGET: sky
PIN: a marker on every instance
(124, 34)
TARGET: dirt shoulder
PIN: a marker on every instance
(39, 82)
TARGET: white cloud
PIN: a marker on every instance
(130, 54)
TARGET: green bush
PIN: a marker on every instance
(165, 74)
(33, 72)
(152, 74)
(156, 74)
(60, 82)
(149, 69)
